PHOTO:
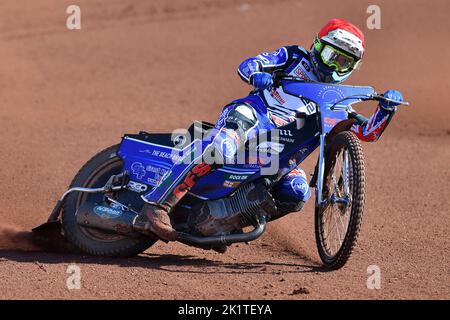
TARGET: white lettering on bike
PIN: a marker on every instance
(284, 132)
(137, 187)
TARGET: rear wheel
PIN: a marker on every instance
(95, 173)
(338, 220)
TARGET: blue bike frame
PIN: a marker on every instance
(333, 104)
(148, 157)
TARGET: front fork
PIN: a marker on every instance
(320, 171)
(343, 199)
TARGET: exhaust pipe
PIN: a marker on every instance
(125, 222)
(106, 218)
(224, 239)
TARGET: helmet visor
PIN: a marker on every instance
(337, 59)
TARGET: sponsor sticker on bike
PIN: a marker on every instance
(270, 147)
(235, 177)
(231, 184)
(106, 212)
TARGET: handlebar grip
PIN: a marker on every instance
(277, 76)
(379, 97)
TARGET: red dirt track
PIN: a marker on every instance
(158, 65)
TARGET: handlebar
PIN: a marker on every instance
(278, 77)
(379, 97)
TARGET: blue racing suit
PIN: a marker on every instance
(242, 119)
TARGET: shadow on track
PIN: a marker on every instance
(164, 262)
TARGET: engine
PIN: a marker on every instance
(231, 214)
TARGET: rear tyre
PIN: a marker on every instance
(95, 173)
(338, 222)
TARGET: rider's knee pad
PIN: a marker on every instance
(292, 192)
(294, 186)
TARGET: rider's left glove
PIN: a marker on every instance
(393, 95)
(261, 80)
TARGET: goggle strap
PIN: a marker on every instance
(317, 44)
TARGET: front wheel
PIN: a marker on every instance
(338, 218)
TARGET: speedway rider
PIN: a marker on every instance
(336, 52)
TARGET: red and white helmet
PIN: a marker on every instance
(337, 50)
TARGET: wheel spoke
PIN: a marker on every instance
(338, 221)
(337, 233)
(344, 226)
(336, 216)
(345, 173)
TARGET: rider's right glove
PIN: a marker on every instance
(261, 80)
(394, 95)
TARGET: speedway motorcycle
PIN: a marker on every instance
(99, 213)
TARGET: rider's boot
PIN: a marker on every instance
(159, 221)
(158, 214)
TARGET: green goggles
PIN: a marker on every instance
(335, 58)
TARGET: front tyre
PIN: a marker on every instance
(338, 220)
(95, 173)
